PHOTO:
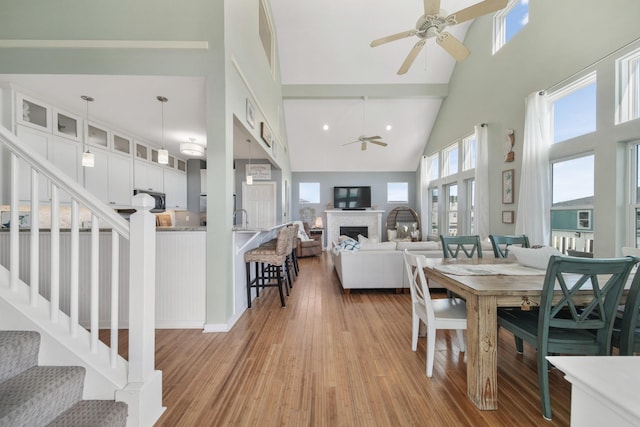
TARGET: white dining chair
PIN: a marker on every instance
(439, 313)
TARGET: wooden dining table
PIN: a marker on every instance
(484, 293)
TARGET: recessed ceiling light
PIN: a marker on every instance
(388, 127)
(325, 127)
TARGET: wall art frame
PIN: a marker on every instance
(265, 134)
(507, 217)
(507, 186)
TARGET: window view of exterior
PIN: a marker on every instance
(452, 210)
(397, 192)
(572, 204)
(309, 192)
(574, 114)
(508, 22)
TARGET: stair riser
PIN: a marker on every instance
(18, 352)
(40, 394)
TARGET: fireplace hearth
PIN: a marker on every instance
(353, 231)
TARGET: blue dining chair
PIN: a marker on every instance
(581, 321)
(453, 246)
(501, 243)
(626, 329)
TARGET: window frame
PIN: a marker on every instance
(569, 89)
(500, 25)
(627, 87)
(406, 195)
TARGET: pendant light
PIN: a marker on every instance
(163, 154)
(88, 158)
(248, 171)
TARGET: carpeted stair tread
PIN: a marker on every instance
(18, 352)
(94, 413)
(40, 394)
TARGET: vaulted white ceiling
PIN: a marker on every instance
(328, 66)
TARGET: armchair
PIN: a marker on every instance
(306, 246)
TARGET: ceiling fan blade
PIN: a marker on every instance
(384, 144)
(478, 9)
(453, 46)
(393, 37)
(363, 146)
(411, 57)
(368, 138)
(431, 7)
(347, 143)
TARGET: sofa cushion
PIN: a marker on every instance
(362, 239)
(391, 235)
(381, 246)
(418, 246)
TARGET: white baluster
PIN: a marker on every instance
(115, 283)
(95, 297)
(34, 266)
(75, 269)
(14, 231)
(55, 253)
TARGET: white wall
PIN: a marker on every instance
(561, 38)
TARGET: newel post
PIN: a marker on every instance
(143, 392)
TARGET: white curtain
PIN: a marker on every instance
(423, 196)
(533, 216)
(481, 214)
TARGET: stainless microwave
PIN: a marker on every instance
(160, 198)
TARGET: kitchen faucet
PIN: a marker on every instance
(246, 218)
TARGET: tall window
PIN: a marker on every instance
(634, 194)
(509, 21)
(309, 193)
(433, 201)
(574, 109)
(450, 160)
(397, 192)
(628, 87)
(265, 32)
(452, 209)
(572, 203)
(456, 184)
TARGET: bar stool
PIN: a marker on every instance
(291, 262)
(270, 263)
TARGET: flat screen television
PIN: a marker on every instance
(352, 197)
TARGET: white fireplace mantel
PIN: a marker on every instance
(337, 218)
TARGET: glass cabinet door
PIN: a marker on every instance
(33, 113)
(67, 125)
(97, 136)
(142, 152)
(121, 144)
(182, 165)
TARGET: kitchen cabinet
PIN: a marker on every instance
(203, 182)
(176, 189)
(38, 141)
(147, 176)
(110, 178)
(121, 144)
(33, 113)
(96, 179)
(67, 125)
(65, 154)
(97, 136)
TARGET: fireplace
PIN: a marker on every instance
(353, 231)
(369, 219)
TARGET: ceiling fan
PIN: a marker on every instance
(433, 23)
(362, 139)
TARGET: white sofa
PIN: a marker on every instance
(378, 265)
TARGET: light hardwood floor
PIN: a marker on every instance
(330, 359)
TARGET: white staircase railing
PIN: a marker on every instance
(143, 388)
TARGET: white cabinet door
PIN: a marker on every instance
(147, 176)
(120, 191)
(65, 154)
(96, 179)
(38, 141)
(176, 189)
(203, 182)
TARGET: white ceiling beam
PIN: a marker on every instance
(320, 91)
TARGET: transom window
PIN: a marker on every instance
(469, 152)
(574, 109)
(509, 21)
(628, 87)
(450, 160)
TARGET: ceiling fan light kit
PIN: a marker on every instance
(432, 25)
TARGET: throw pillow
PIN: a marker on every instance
(302, 235)
(362, 239)
(404, 229)
(533, 257)
(391, 235)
